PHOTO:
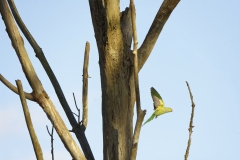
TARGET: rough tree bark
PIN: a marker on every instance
(113, 33)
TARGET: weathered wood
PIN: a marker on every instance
(35, 143)
(113, 36)
(85, 86)
(140, 112)
(79, 131)
(116, 68)
(159, 21)
(39, 93)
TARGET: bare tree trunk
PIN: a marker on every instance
(116, 68)
(113, 32)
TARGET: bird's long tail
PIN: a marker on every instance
(149, 119)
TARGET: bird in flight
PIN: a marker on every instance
(158, 105)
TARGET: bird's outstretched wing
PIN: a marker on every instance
(157, 99)
(158, 104)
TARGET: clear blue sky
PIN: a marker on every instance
(200, 43)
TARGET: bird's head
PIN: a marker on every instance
(168, 109)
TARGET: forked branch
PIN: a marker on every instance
(35, 143)
(51, 135)
(79, 132)
(78, 115)
(39, 93)
(190, 124)
(29, 96)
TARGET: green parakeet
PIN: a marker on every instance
(158, 105)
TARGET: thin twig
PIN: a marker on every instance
(29, 96)
(79, 132)
(85, 86)
(140, 113)
(78, 115)
(75, 114)
(190, 124)
(51, 135)
(36, 145)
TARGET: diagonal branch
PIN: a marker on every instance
(140, 113)
(159, 21)
(85, 86)
(190, 124)
(36, 145)
(29, 96)
(79, 132)
(39, 93)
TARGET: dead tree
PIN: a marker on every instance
(119, 67)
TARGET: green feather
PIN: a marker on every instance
(157, 99)
(149, 119)
(155, 93)
(159, 105)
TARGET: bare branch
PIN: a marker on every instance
(190, 124)
(36, 145)
(75, 114)
(140, 113)
(39, 93)
(135, 53)
(79, 132)
(29, 96)
(161, 18)
(51, 135)
(78, 115)
(137, 134)
(85, 86)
